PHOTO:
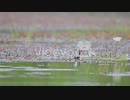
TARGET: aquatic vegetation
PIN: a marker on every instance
(29, 35)
(117, 40)
(13, 32)
(100, 51)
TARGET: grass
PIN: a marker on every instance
(104, 31)
(13, 32)
(29, 35)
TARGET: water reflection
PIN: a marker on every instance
(45, 64)
(5, 69)
(6, 76)
(39, 73)
(116, 79)
(65, 74)
(76, 63)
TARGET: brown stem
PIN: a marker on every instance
(79, 52)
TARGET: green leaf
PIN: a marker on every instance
(126, 55)
(110, 55)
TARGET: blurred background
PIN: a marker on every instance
(59, 21)
(65, 24)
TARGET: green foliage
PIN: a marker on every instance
(29, 35)
(13, 32)
(54, 33)
(116, 29)
(110, 55)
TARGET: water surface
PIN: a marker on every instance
(63, 74)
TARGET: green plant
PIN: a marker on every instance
(29, 36)
(13, 32)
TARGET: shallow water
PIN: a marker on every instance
(63, 74)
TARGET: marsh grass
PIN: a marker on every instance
(54, 34)
(104, 32)
(30, 35)
(124, 29)
(13, 32)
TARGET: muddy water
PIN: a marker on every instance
(63, 74)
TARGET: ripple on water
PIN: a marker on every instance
(3, 66)
(33, 69)
(82, 83)
(48, 69)
(21, 67)
(39, 73)
(40, 65)
(6, 76)
(117, 74)
(5, 69)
